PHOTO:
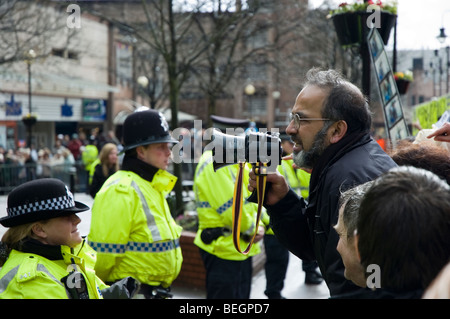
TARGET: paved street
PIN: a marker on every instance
(294, 283)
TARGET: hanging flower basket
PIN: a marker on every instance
(351, 27)
(402, 86)
(403, 79)
(29, 119)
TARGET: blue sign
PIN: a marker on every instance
(66, 109)
(13, 108)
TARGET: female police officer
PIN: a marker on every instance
(42, 253)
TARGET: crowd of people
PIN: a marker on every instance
(375, 223)
(28, 163)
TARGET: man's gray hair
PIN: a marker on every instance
(351, 199)
(344, 101)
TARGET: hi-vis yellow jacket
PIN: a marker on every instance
(31, 276)
(214, 196)
(133, 231)
(298, 179)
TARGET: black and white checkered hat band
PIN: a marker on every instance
(59, 203)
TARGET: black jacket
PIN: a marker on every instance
(306, 229)
(98, 179)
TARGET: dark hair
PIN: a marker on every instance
(345, 101)
(404, 227)
(424, 155)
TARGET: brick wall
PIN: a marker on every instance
(193, 272)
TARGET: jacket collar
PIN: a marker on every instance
(165, 181)
(135, 165)
(333, 153)
(33, 246)
(52, 252)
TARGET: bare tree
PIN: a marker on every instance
(25, 26)
(224, 29)
(155, 25)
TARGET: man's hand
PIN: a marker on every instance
(442, 134)
(277, 190)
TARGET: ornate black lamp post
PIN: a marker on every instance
(29, 119)
(442, 37)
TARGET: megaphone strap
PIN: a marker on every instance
(237, 205)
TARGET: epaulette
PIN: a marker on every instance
(124, 184)
(27, 269)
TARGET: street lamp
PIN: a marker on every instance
(29, 120)
(142, 81)
(447, 48)
(249, 90)
(442, 37)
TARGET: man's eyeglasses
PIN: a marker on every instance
(297, 119)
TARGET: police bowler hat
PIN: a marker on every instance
(40, 199)
(145, 127)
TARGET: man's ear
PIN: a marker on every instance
(140, 152)
(338, 131)
(38, 230)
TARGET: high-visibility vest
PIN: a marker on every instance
(214, 197)
(133, 231)
(93, 165)
(88, 156)
(298, 179)
(31, 276)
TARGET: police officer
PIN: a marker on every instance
(228, 272)
(42, 253)
(132, 228)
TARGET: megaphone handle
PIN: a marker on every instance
(237, 207)
(253, 198)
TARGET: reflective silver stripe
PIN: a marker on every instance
(205, 163)
(6, 279)
(157, 247)
(4, 282)
(42, 268)
(151, 223)
(116, 181)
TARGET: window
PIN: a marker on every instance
(64, 53)
(58, 52)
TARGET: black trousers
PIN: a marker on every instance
(227, 279)
(277, 259)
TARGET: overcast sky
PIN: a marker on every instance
(418, 22)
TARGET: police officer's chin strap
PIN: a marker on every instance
(260, 171)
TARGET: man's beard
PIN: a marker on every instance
(307, 159)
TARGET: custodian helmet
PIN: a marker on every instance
(145, 127)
